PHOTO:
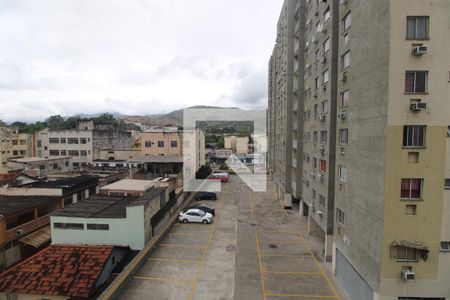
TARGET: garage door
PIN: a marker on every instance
(351, 281)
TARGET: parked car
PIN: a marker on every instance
(205, 207)
(195, 215)
(205, 196)
(222, 177)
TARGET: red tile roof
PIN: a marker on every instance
(58, 270)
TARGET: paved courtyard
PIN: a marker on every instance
(254, 250)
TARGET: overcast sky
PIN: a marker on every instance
(132, 56)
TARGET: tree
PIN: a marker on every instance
(2, 123)
(55, 122)
(105, 117)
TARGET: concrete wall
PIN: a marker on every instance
(362, 197)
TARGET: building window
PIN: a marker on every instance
(22, 142)
(405, 254)
(326, 45)
(340, 216)
(97, 226)
(447, 183)
(72, 140)
(148, 144)
(346, 60)
(315, 137)
(343, 136)
(39, 143)
(83, 153)
(417, 28)
(323, 136)
(53, 152)
(173, 144)
(62, 140)
(14, 142)
(160, 144)
(327, 14)
(314, 163)
(74, 153)
(347, 21)
(416, 82)
(53, 140)
(12, 297)
(324, 106)
(344, 98)
(73, 226)
(23, 152)
(322, 200)
(445, 246)
(411, 188)
(317, 54)
(322, 165)
(15, 152)
(63, 153)
(342, 173)
(414, 136)
(325, 76)
(316, 83)
(83, 141)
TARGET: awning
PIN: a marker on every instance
(412, 245)
(37, 238)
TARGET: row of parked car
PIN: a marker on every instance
(199, 213)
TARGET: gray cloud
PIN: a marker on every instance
(136, 56)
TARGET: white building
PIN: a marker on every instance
(107, 220)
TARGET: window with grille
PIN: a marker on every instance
(405, 254)
(72, 140)
(414, 135)
(72, 226)
(445, 246)
(322, 165)
(53, 152)
(346, 60)
(98, 226)
(342, 173)
(74, 153)
(53, 140)
(340, 216)
(160, 144)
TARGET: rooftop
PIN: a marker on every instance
(129, 185)
(63, 182)
(106, 206)
(35, 159)
(11, 205)
(58, 270)
(157, 159)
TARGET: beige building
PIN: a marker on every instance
(239, 144)
(161, 141)
(40, 167)
(379, 73)
(13, 144)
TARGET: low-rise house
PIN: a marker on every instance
(61, 272)
(20, 216)
(40, 167)
(109, 220)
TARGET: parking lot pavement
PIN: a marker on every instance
(253, 250)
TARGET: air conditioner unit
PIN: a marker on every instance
(419, 51)
(416, 106)
(319, 212)
(342, 115)
(408, 275)
(19, 232)
(343, 76)
(322, 150)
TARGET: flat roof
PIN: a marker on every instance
(67, 182)
(106, 206)
(36, 159)
(11, 205)
(157, 159)
(129, 185)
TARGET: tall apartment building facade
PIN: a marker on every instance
(384, 194)
(13, 144)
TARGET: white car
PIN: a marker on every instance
(195, 215)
